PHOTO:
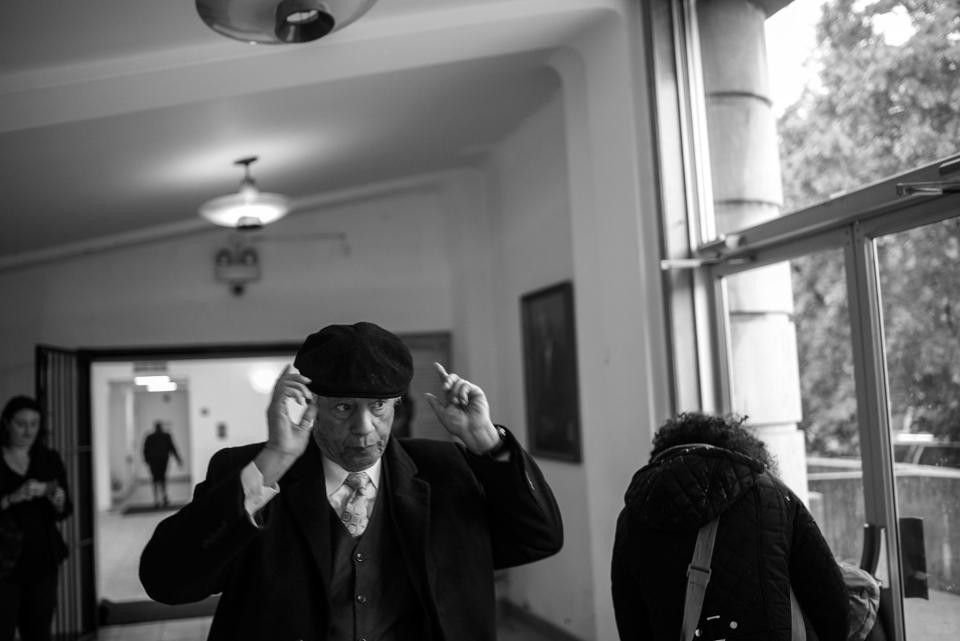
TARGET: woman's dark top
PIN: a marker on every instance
(43, 546)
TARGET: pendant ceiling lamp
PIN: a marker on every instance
(280, 21)
(249, 208)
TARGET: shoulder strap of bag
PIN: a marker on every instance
(698, 576)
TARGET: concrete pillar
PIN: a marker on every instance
(745, 169)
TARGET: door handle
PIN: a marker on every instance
(872, 545)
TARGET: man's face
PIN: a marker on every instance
(353, 432)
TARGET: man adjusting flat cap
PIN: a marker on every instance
(331, 529)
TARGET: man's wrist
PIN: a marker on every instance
(500, 446)
(273, 462)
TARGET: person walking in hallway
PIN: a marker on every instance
(33, 498)
(158, 447)
(333, 530)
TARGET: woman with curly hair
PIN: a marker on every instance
(703, 467)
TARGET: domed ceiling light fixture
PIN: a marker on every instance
(280, 22)
(249, 208)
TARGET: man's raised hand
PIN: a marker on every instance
(286, 434)
(464, 412)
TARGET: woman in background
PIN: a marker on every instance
(33, 497)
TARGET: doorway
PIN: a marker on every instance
(98, 422)
(205, 404)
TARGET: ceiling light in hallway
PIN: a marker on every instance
(285, 22)
(249, 208)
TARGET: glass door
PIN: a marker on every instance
(843, 349)
(918, 271)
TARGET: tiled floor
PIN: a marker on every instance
(121, 538)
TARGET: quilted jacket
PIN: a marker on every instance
(766, 539)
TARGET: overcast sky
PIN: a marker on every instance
(791, 39)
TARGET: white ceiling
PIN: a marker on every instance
(118, 117)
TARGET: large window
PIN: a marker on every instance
(875, 335)
(813, 248)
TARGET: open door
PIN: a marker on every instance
(849, 332)
(62, 391)
(912, 484)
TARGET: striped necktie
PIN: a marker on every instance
(356, 509)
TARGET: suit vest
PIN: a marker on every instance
(371, 595)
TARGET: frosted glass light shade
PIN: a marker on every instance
(245, 210)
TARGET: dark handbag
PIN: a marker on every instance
(11, 543)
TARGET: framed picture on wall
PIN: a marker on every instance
(550, 372)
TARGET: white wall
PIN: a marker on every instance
(121, 462)
(622, 341)
(573, 196)
(221, 393)
(533, 249)
(396, 273)
(111, 409)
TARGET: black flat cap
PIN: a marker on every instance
(361, 360)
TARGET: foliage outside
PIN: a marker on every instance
(881, 109)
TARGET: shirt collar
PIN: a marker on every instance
(334, 475)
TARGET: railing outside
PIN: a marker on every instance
(928, 492)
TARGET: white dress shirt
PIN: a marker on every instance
(337, 490)
(256, 494)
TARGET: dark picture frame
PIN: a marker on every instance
(550, 374)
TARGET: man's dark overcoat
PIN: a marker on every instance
(456, 516)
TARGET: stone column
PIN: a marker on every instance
(745, 171)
